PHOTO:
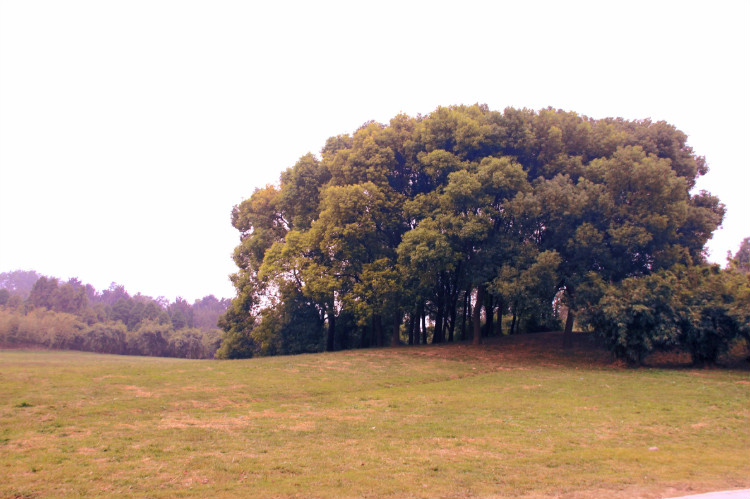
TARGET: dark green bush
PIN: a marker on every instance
(106, 337)
(637, 317)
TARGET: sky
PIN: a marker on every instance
(129, 130)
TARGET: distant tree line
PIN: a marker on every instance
(469, 223)
(37, 310)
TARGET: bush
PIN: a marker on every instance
(187, 343)
(46, 328)
(9, 326)
(151, 339)
(55, 330)
(41, 327)
(740, 307)
(709, 299)
(637, 317)
(236, 344)
(700, 309)
(106, 337)
(211, 342)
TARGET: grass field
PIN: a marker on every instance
(512, 419)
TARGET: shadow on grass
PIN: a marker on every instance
(588, 350)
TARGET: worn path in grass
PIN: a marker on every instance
(515, 418)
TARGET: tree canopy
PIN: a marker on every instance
(433, 228)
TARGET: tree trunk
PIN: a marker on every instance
(465, 314)
(331, 329)
(568, 333)
(343, 334)
(499, 323)
(489, 314)
(452, 327)
(438, 336)
(396, 339)
(424, 325)
(477, 316)
(412, 323)
(377, 323)
(452, 312)
(368, 334)
(514, 322)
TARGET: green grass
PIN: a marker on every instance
(513, 419)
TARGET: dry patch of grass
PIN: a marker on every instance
(514, 418)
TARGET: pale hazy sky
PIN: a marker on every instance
(129, 129)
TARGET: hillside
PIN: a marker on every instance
(510, 419)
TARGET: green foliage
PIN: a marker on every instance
(238, 321)
(638, 316)
(151, 338)
(206, 311)
(41, 327)
(293, 326)
(4, 297)
(700, 309)
(106, 337)
(739, 309)
(710, 323)
(395, 224)
(300, 193)
(741, 259)
(19, 282)
(192, 343)
(180, 314)
(74, 316)
(530, 287)
(235, 345)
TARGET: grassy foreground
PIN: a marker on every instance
(511, 419)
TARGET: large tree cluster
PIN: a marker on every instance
(433, 228)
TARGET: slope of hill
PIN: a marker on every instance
(515, 418)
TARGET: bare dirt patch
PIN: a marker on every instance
(185, 421)
(137, 391)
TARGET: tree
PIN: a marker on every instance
(206, 311)
(19, 282)
(239, 320)
(741, 259)
(181, 314)
(120, 310)
(530, 286)
(115, 292)
(326, 262)
(418, 218)
(556, 217)
(71, 298)
(293, 325)
(626, 216)
(739, 308)
(426, 261)
(43, 293)
(300, 191)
